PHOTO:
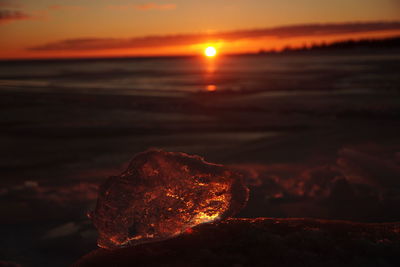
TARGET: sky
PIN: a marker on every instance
(87, 28)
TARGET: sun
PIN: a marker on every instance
(210, 51)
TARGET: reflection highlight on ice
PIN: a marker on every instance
(211, 88)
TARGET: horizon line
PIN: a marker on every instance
(259, 52)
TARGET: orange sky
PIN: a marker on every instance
(86, 28)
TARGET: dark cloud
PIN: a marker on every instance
(12, 15)
(188, 39)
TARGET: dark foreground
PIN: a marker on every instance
(265, 242)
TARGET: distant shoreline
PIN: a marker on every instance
(358, 46)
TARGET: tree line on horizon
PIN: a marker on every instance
(363, 44)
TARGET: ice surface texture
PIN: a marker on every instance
(264, 242)
(161, 195)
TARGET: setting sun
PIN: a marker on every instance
(210, 51)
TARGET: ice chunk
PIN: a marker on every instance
(161, 195)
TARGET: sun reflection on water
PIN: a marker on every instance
(211, 88)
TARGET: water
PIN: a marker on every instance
(183, 76)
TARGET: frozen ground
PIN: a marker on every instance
(315, 136)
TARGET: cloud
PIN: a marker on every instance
(308, 30)
(144, 7)
(7, 16)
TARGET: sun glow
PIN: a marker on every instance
(210, 51)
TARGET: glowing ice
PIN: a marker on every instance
(161, 195)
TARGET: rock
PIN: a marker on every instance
(163, 194)
(264, 242)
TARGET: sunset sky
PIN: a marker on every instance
(76, 28)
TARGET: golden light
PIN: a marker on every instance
(211, 88)
(210, 51)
